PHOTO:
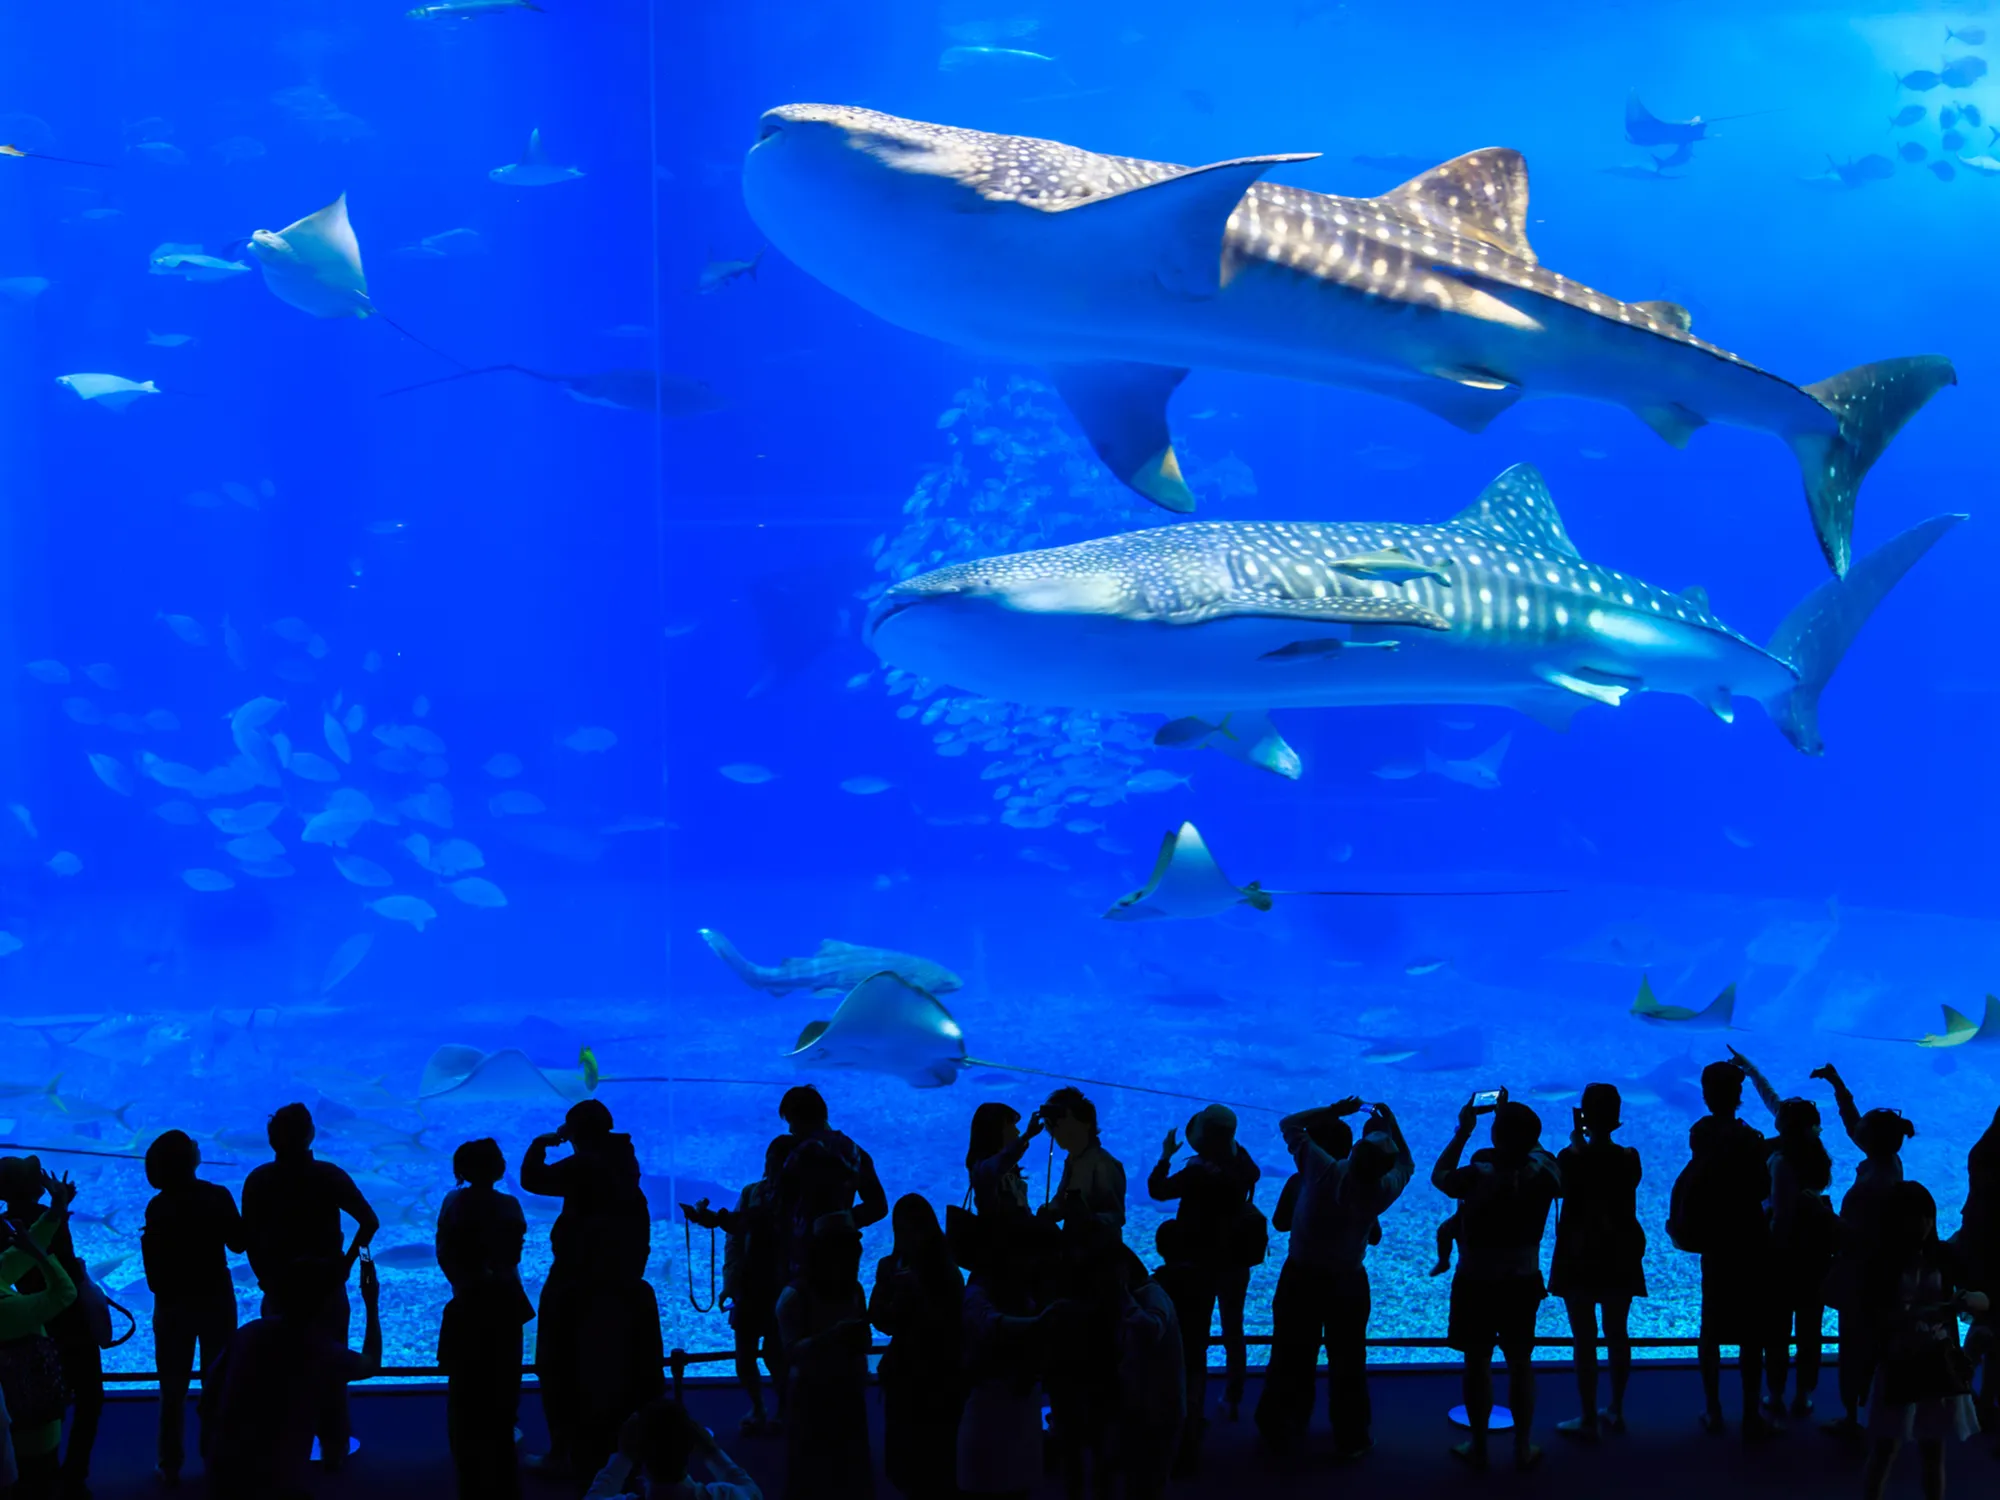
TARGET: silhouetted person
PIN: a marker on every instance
(655, 1448)
(1912, 1295)
(1000, 1430)
(591, 1334)
(480, 1231)
(918, 1301)
(1803, 1235)
(1223, 1237)
(1600, 1254)
(1152, 1382)
(823, 1322)
(191, 1226)
(1323, 1296)
(75, 1330)
(1717, 1211)
(1879, 1135)
(993, 1163)
(1505, 1198)
(826, 1173)
(753, 1273)
(292, 1206)
(277, 1379)
(1080, 1354)
(1093, 1180)
(1978, 1242)
(25, 1257)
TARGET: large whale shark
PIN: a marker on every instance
(1120, 274)
(1495, 608)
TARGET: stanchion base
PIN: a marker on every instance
(1502, 1419)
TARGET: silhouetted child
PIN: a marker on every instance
(655, 1447)
(823, 1320)
(1447, 1236)
(191, 1226)
(753, 1273)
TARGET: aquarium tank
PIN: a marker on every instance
(512, 587)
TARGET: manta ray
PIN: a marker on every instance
(1120, 275)
(1717, 1015)
(1208, 617)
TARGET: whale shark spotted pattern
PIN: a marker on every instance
(1121, 274)
(1208, 618)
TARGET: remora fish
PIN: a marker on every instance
(1121, 274)
(835, 966)
(1200, 618)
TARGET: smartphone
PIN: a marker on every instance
(1486, 1101)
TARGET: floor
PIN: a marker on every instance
(1664, 1453)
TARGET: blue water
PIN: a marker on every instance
(488, 568)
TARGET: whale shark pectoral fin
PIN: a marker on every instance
(1175, 225)
(1482, 195)
(1670, 313)
(1718, 702)
(1609, 693)
(1255, 741)
(1122, 409)
(1469, 408)
(1672, 421)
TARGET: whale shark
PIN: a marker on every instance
(1121, 274)
(1203, 618)
(833, 966)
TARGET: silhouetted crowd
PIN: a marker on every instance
(1022, 1340)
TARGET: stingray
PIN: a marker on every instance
(1717, 1015)
(887, 1025)
(1960, 1030)
(314, 264)
(1644, 128)
(467, 1075)
(1187, 882)
(623, 390)
(534, 169)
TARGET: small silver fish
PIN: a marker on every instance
(1390, 565)
(465, 10)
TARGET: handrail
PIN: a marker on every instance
(678, 1360)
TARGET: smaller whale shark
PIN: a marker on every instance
(1209, 618)
(834, 966)
(1715, 1016)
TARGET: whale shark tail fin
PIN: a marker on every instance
(1816, 634)
(725, 950)
(1871, 403)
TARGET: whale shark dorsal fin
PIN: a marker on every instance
(535, 155)
(835, 945)
(1723, 1007)
(1482, 195)
(1122, 409)
(1646, 1003)
(1671, 313)
(1517, 507)
(1175, 225)
(324, 244)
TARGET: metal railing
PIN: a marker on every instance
(678, 1361)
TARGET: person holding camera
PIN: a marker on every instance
(1600, 1254)
(1505, 1196)
(600, 1242)
(35, 1394)
(1323, 1296)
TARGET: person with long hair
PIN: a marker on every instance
(823, 1323)
(1600, 1255)
(918, 1302)
(1978, 1241)
(1912, 1296)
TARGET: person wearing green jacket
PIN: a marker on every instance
(22, 1315)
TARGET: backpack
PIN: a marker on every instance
(1688, 1223)
(1249, 1236)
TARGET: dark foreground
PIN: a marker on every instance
(1664, 1453)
